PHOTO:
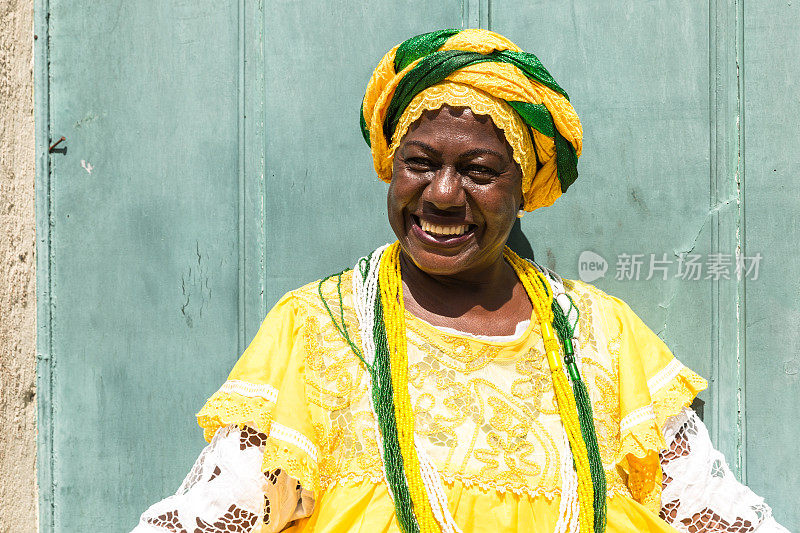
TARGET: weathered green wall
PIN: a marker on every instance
(769, 147)
(213, 161)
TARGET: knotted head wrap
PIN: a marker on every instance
(492, 76)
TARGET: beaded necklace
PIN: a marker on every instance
(414, 483)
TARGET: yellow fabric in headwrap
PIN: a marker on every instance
(487, 86)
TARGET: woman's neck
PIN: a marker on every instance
(489, 302)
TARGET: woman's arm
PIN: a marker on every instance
(700, 492)
(227, 491)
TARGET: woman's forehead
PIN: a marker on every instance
(450, 124)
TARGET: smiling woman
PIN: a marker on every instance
(453, 199)
(455, 192)
(444, 383)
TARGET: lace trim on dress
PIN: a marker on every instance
(249, 405)
(227, 408)
(519, 489)
(664, 376)
(672, 388)
(700, 493)
(250, 390)
(293, 460)
(636, 417)
(671, 398)
(226, 491)
(291, 436)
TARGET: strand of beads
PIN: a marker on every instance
(435, 489)
(566, 319)
(391, 291)
(365, 289)
(540, 295)
(395, 463)
(568, 506)
(365, 293)
(381, 396)
(584, 405)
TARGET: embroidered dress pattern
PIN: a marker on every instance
(484, 412)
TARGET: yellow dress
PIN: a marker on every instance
(485, 411)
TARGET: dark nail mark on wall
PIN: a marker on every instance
(637, 201)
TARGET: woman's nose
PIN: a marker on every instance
(445, 189)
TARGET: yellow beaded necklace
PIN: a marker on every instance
(538, 290)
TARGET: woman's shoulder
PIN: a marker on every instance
(323, 294)
(612, 318)
(612, 312)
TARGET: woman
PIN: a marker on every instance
(445, 384)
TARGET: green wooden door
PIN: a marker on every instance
(139, 256)
(213, 161)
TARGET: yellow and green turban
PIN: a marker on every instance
(492, 76)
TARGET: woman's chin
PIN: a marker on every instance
(443, 262)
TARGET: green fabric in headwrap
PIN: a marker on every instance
(437, 65)
(420, 46)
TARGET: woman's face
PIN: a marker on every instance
(455, 192)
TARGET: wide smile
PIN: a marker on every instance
(440, 232)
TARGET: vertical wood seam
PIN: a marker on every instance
(741, 247)
(475, 14)
(44, 266)
(726, 208)
(262, 188)
(717, 160)
(262, 182)
(241, 208)
(713, 164)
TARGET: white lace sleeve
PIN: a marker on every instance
(700, 491)
(226, 491)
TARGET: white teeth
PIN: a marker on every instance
(436, 229)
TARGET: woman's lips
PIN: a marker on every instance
(439, 233)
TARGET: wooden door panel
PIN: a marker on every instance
(770, 360)
(143, 247)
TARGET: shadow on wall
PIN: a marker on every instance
(518, 242)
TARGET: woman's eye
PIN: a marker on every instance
(481, 171)
(419, 163)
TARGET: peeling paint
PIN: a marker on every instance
(195, 288)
